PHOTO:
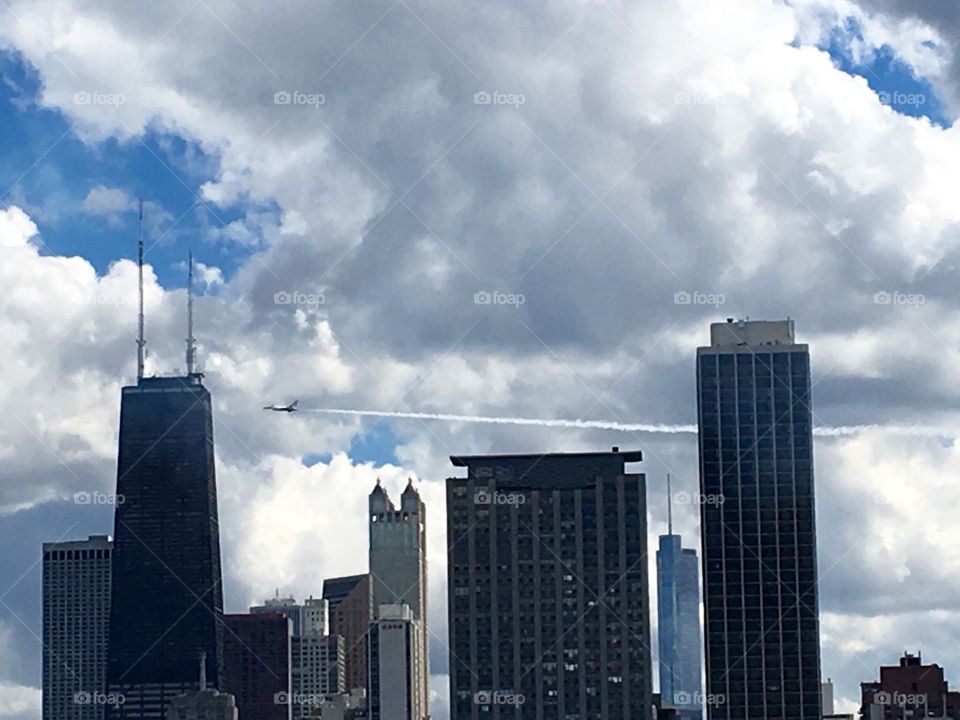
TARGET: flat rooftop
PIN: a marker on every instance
(468, 460)
(751, 333)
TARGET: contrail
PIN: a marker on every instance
(585, 424)
(822, 431)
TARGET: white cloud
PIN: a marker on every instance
(659, 148)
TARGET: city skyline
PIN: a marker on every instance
(463, 229)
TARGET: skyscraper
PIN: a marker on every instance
(398, 561)
(76, 616)
(757, 519)
(678, 623)
(395, 664)
(167, 602)
(548, 597)
(350, 609)
(257, 656)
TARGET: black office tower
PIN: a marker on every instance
(757, 515)
(167, 602)
(548, 597)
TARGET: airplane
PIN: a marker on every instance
(292, 407)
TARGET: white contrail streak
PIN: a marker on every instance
(586, 424)
(822, 431)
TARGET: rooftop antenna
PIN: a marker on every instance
(191, 343)
(141, 343)
(669, 508)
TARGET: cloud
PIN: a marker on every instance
(659, 149)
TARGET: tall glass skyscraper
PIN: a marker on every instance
(757, 519)
(167, 602)
(678, 625)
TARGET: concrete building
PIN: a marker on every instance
(76, 621)
(167, 599)
(398, 561)
(317, 672)
(909, 690)
(758, 527)
(678, 623)
(287, 606)
(350, 610)
(257, 659)
(396, 666)
(548, 596)
(204, 703)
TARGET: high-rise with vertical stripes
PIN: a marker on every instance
(76, 615)
(548, 597)
(758, 529)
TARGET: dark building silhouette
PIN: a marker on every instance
(350, 609)
(256, 664)
(909, 690)
(757, 519)
(167, 602)
(547, 588)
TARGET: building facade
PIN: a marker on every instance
(909, 690)
(167, 602)
(398, 561)
(317, 672)
(678, 626)
(758, 527)
(548, 595)
(396, 663)
(350, 610)
(287, 606)
(76, 621)
(257, 659)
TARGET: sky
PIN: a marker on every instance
(357, 180)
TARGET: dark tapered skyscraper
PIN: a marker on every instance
(547, 588)
(678, 624)
(167, 601)
(759, 540)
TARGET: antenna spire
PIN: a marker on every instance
(191, 343)
(141, 342)
(669, 507)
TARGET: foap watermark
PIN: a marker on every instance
(884, 297)
(697, 97)
(698, 298)
(499, 697)
(96, 697)
(899, 699)
(295, 97)
(294, 297)
(97, 498)
(697, 498)
(896, 99)
(490, 497)
(297, 698)
(699, 699)
(86, 97)
(485, 297)
(499, 98)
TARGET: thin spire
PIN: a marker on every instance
(669, 507)
(191, 343)
(141, 342)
